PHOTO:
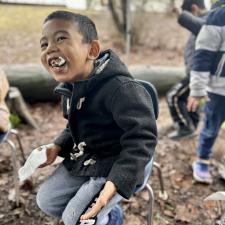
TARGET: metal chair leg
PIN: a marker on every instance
(163, 193)
(15, 133)
(150, 205)
(15, 174)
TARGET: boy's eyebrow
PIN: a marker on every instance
(61, 31)
(55, 33)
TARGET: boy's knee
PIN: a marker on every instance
(42, 201)
(46, 204)
(210, 129)
(209, 133)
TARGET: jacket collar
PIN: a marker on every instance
(66, 89)
(106, 66)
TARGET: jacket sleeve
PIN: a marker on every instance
(65, 141)
(191, 22)
(208, 44)
(132, 110)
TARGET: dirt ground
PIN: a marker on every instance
(161, 43)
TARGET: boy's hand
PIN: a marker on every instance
(52, 153)
(193, 102)
(106, 194)
(176, 11)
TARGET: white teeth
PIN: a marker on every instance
(61, 61)
(57, 62)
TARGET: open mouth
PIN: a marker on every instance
(57, 62)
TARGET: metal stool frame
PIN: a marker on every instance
(13, 148)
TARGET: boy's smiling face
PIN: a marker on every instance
(63, 52)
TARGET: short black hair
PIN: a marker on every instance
(188, 3)
(85, 25)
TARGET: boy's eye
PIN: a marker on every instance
(60, 39)
(44, 46)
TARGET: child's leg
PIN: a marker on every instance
(214, 117)
(177, 102)
(55, 193)
(83, 198)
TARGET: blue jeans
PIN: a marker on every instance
(65, 196)
(2, 136)
(214, 117)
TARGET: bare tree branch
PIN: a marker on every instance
(115, 15)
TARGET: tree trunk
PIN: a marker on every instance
(116, 18)
(36, 85)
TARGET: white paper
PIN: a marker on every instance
(37, 157)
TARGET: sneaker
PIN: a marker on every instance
(181, 132)
(116, 216)
(201, 171)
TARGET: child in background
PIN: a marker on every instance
(111, 131)
(208, 83)
(192, 18)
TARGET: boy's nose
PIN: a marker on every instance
(51, 48)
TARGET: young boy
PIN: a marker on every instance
(208, 82)
(192, 18)
(4, 112)
(111, 130)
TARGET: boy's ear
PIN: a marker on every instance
(94, 50)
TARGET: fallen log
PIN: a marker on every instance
(37, 85)
(18, 106)
(33, 81)
(163, 78)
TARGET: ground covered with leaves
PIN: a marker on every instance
(20, 44)
(185, 198)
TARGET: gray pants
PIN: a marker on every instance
(66, 197)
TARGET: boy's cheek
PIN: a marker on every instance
(45, 66)
(44, 63)
(43, 60)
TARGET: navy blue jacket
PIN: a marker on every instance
(208, 72)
